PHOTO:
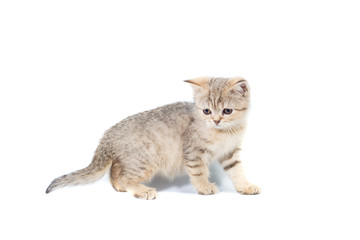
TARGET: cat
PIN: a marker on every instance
(174, 139)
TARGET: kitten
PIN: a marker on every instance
(175, 138)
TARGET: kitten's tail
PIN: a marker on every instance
(97, 169)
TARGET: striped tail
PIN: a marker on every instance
(93, 172)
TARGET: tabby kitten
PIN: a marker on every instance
(175, 138)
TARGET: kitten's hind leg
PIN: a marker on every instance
(142, 191)
(115, 177)
(129, 178)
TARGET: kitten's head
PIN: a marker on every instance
(222, 102)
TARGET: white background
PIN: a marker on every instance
(69, 70)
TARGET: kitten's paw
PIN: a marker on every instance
(249, 190)
(207, 189)
(119, 188)
(146, 193)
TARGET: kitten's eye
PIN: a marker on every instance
(227, 111)
(207, 111)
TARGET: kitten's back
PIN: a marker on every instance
(153, 136)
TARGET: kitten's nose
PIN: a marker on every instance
(216, 122)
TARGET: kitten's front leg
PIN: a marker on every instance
(234, 168)
(199, 176)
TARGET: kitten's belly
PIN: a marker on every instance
(172, 159)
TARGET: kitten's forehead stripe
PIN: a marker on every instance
(217, 92)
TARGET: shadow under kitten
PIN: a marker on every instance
(217, 176)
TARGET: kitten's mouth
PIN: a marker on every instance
(218, 126)
(224, 127)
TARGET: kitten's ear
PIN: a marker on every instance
(239, 86)
(198, 82)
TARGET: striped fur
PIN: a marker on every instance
(173, 139)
